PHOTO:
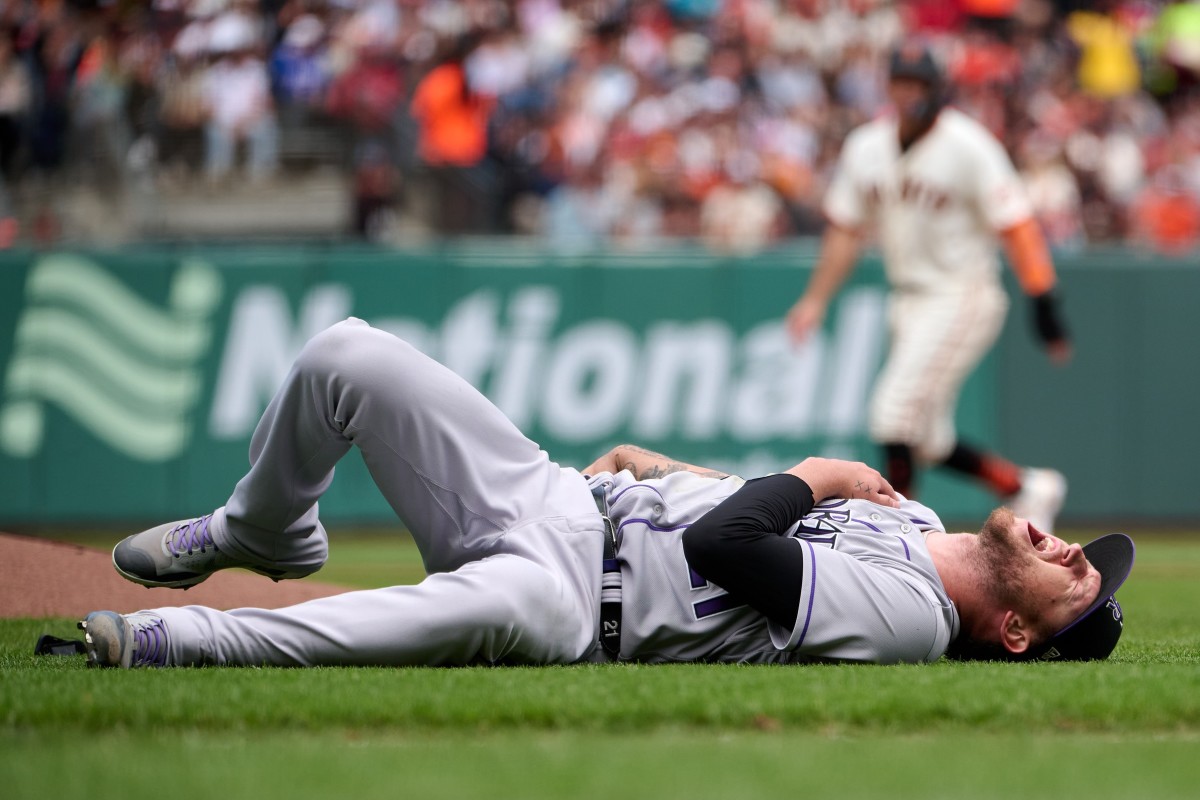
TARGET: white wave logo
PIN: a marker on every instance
(121, 367)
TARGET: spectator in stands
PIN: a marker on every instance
(367, 97)
(1053, 191)
(580, 213)
(14, 109)
(1107, 63)
(740, 216)
(1167, 215)
(180, 82)
(453, 141)
(14, 106)
(56, 55)
(300, 69)
(1175, 41)
(142, 61)
(237, 101)
(100, 129)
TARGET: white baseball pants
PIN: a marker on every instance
(513, 542)
(938, 338)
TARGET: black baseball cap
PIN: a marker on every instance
(1094, 633)
(914, 60)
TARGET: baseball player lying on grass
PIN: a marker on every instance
(638, 558)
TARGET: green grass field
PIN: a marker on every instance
(1126, 728)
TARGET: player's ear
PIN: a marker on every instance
(1015, 633)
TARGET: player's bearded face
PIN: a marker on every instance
(910, 98)
(1006, 565)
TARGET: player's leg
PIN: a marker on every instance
(998, 474)
(937, 340)
(898, 464)
(455, 470)
(1035, 494)
(501, 609)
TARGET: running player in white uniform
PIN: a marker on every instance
(938, 189)
(641, 558)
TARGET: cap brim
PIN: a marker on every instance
(1112, 556)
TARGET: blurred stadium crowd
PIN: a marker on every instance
(588, 122)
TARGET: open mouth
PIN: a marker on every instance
(1040, 541)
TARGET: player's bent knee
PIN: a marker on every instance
(330, 346)
(348, 348)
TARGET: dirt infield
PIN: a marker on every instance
(39, 578)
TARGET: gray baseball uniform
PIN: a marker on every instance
(869, 591)
(514, 542)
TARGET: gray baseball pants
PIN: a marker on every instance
(512, 541)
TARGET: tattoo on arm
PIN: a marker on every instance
(646, 464)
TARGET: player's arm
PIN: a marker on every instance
(739, 544)
(1030, 259)
(645, 464)
(839, 254)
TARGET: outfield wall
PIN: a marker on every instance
(132, 380)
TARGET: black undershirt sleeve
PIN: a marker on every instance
(740, 547)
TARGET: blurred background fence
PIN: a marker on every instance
(132, 378)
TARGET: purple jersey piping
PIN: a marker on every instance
(812, 592)
(612, 500)
(864, 522)
(649, 525)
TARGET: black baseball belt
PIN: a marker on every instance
(610, 582)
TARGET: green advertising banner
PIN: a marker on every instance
(132, 380)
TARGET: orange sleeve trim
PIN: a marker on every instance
(1030, 257)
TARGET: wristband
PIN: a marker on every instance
(1047, 319)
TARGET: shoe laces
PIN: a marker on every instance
(149, 640)
(190, 536)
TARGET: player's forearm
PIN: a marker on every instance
(645, 464)
(739, 545)
(1030, 258)
(839, 253)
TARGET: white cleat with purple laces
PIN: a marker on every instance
(181, 554)
(125, 640)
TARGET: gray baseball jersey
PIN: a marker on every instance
(870, 591)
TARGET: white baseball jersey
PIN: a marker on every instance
(936, 207)
(869, 589)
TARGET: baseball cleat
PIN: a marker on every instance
(179, 555)
(1041, 497)
(124, 640)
